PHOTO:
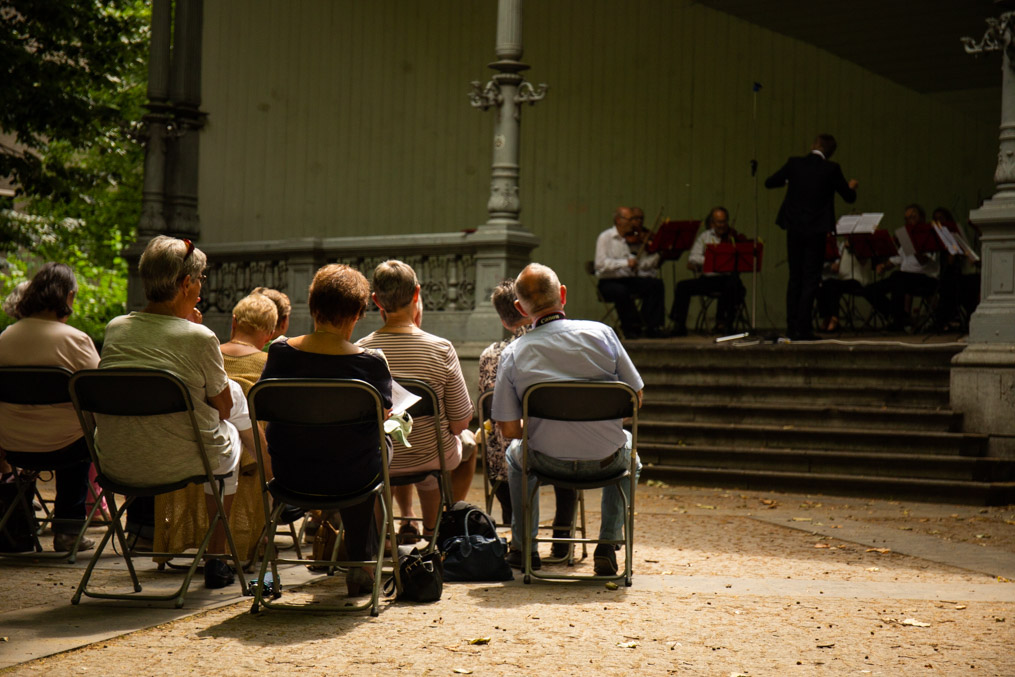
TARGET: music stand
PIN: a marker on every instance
(870, 245)
(925, 240)
(672, 239)
(831, 248)
(728, 257)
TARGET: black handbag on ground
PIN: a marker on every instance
(422, 575)
(17, 533)
(475, 557)
(465, 518)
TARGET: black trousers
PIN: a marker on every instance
(71, 471)
(831, 292)
(806, 255)
(889, 295)
(731, 295)
(623, 291)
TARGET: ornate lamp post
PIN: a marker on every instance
(505, 244)
(983, 375)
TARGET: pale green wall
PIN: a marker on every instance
(341, 117)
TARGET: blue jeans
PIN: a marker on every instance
(612, 507)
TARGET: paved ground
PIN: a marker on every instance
(726, 583)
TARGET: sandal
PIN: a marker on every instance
(408, 534)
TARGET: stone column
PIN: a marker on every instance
(983, 375)
(156, 130)
(506, 243)
(185, 92)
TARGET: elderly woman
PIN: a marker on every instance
(413, 353)
(179, 525)
(42, 338)
(323, 460)
(168, 335)
(282, 305)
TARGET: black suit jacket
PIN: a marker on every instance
(809, 202)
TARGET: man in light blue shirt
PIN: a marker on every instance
(559, 349)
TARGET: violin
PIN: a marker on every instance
(636, 235)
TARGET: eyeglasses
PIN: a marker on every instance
(190, 247)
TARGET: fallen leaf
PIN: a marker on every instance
(826, 646)
(983, 535)
(480, 640)
(610, 585)
(873, 569)
(801, 519)
(821, 545)
(652, 561)
(915, 623)
(705, 507)
(462, 671)
(960, 607)
(628, 645)
(883, 551)
(667, 573)
(3, 639)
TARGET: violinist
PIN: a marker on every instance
(638, 237)
(731, 291)
(621, 281)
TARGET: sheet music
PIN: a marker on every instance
(951, 246)
(966, 249)
(868, 222)
(905, 244)
(846, 224)
(401, 399)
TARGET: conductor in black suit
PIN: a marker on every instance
(807, 215)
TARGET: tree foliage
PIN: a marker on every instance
(72, 95)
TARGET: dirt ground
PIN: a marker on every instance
(726, 583)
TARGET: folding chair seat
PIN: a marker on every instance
(320, 402)
(134, 393)
(741, 319)
(579, 401)
(428, 405)
(40, 386)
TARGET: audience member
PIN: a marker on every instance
(42, 338)
(331, 460)
(559, 349)
(168, 335)
(503, 299)
(620, 284)
(180, 525)
(731, 291)
(283, 307)
(413, 353)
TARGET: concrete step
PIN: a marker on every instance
(936, 491)
(825, 355)
(824, 438)
(658, 409)
(930, 397)
(722, 376)
(872, 464)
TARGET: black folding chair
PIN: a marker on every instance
(490, 484)
(428, 405)
(579, 401)
(136, 393)
(40, 386)
(320, 402)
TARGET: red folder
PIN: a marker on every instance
(732, 258)
(673, 238)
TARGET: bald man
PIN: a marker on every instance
(619, 282)
(559, 349)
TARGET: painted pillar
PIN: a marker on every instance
(505, 244)
(983, 375)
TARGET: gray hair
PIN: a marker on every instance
(165, 263)
(10, 304)
(537, 288)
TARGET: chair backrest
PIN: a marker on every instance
(428, 404)
(34, 385)
(485, 405)
(580, 400)
(311, 402)
(131, 392)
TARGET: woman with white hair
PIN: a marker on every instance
(168, 335)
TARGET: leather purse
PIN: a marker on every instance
(421, 575)
(476, 557)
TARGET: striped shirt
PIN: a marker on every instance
(432, 359)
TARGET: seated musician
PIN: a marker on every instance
(960, 282)
(847, 274)
(637, 239)
(620, 283)
(727, 285)
(917, 275)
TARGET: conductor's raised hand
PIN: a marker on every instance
(853, 183)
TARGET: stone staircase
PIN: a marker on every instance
(824, 418)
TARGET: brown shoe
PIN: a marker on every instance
(65, 541)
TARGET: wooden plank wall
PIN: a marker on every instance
(334, 117)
